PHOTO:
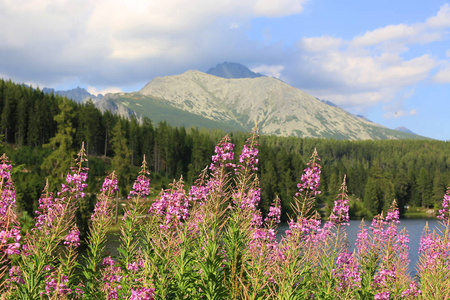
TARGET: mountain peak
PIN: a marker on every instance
(232, 70)
(77, 94)
(404, 129)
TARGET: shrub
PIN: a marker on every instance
(211, 242)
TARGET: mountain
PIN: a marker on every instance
(327, 102)
(232, 70)
(78, 94)
(366, 119)
(204, 100)
(404, 129)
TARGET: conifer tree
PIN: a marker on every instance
(121, 160)
(59, 161)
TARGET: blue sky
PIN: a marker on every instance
(387, 60)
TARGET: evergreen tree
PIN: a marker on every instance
(372, 199)
(121, 160)
(424, 186)
(7, 118)
(88, 131)
(59, 161)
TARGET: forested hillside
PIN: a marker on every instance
(42, 134)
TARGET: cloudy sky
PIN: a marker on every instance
(388, 60)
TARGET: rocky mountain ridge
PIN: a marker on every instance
(275, 106)
(231, 102)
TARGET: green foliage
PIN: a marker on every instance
(60, 159)
(121, 160)
(415, 172)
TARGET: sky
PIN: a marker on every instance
(386, 60)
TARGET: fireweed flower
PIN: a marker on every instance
(9, 241)
(412, 291)
(50, 213)
(55, 287)
(434, 262)
(263, 238)
(76, 179)
(143, 294)
(444, 213)
(73, 238)
(249, 200)
(9, 229)
(384, 278)
(340, 214)
(304, 229)
(274, 215)
(224, 155)
(382, 296)
(112, 277)
(141, 187)
(135, 265)
(249, 155)
(103, 206)
(110, 185)
(47, 212)
(383, 251)
(311, 176)
(198, 193)
(307, 224)
(434, 250)
(15, 275)
(347, 271)
(172, 205)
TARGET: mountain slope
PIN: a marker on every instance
(275, 106)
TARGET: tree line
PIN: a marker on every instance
(42, 133)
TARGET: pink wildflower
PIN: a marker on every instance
(346, 271)
(224, 155)
(311, 176)
(274, 212)
(340, 210)
(172, 205)
(9, 229)
(444, 213)
(141, 186)
(143, 294)
(73, 238)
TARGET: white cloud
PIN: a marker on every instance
(399, 114)
(355, 77)
(433, 29)
(370, 68)
(397, 109)
(112, 41)
(442, 18)
(115, 42)
(95, 91)
(320, 44)
(443, 76)
(269, 70)
(271, 8)
(357, 101)
(388, 33)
